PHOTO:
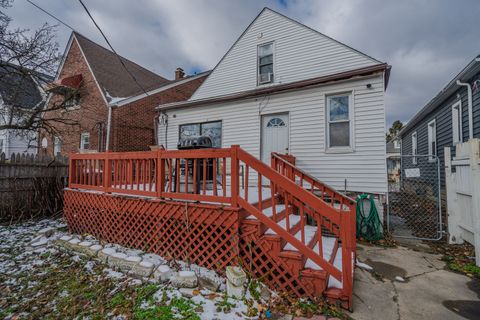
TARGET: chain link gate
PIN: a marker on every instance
(414, 201)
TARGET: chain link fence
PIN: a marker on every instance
(414, 208)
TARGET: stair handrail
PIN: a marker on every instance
(293, 166)
(337, 216)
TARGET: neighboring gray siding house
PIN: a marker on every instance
(19, 91)
(284, 87)
(451, 117)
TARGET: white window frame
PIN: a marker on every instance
(432, 138)
(57, 144)
(339, 149)
(457, 125)
(272, 80)
(82, 140)
(414, 147)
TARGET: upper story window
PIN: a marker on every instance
(85, 141)
(432, 140)
(265, 63)
(72, 101)
(457, 122)
(339, 124)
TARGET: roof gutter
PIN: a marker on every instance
(470, 106)
(347, 75)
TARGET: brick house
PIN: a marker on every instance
(90, 81)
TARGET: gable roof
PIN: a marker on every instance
(110, 74)
(266, 14)
(469, 71)
(19, 88)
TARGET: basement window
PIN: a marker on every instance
(339, 122)
(265, 63)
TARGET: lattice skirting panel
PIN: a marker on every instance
(203, 234)
(259, 256)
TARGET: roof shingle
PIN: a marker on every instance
(112, 77)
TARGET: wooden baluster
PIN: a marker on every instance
(224, 176)
(204, 177)
(246, 183)
(302, 222)
(287, 212)
(108, 173)
(177, 175)
(170, 175)
(319, 237)
(235, 149)
(272, 197)
(186, 176)
(149, 174)
(195, 176)
(214, 176)
(259, 183)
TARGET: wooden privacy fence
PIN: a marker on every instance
(208, 183)
(31, 186)
(462, 177)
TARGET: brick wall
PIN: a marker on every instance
(91, 113)
(133, 124)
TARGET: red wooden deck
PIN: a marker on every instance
(283, 226)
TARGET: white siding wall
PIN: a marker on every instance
(364, 169)
(300, 53)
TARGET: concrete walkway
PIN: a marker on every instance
(428, 291)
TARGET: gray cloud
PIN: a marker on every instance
(427, 42)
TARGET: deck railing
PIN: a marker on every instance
(212, 175)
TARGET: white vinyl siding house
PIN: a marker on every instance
(353, 110)
(299, 53)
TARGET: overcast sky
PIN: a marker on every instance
(427, 42)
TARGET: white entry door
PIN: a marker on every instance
(274, 135)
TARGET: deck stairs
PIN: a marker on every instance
(299, 235)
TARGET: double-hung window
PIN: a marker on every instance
(432, 140)
(339, 123)
(414, 147)
(265, 63)
(85, 141)
(457, 122)
(57, 145)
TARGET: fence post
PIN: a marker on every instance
(234, 178)
(107, 174)
(71, 170)
(347, 250)
(474, 146)
(160, 173)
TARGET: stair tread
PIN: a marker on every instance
(310, 232)
(328, 243)
(294, 219)
(268, 211)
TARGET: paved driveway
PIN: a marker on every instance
(411, 284)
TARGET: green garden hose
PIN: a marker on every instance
(369, 226)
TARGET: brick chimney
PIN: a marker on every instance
(179, 73)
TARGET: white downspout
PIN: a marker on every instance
(109, 124)
(470, 107)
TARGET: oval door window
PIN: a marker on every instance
(275, 123)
